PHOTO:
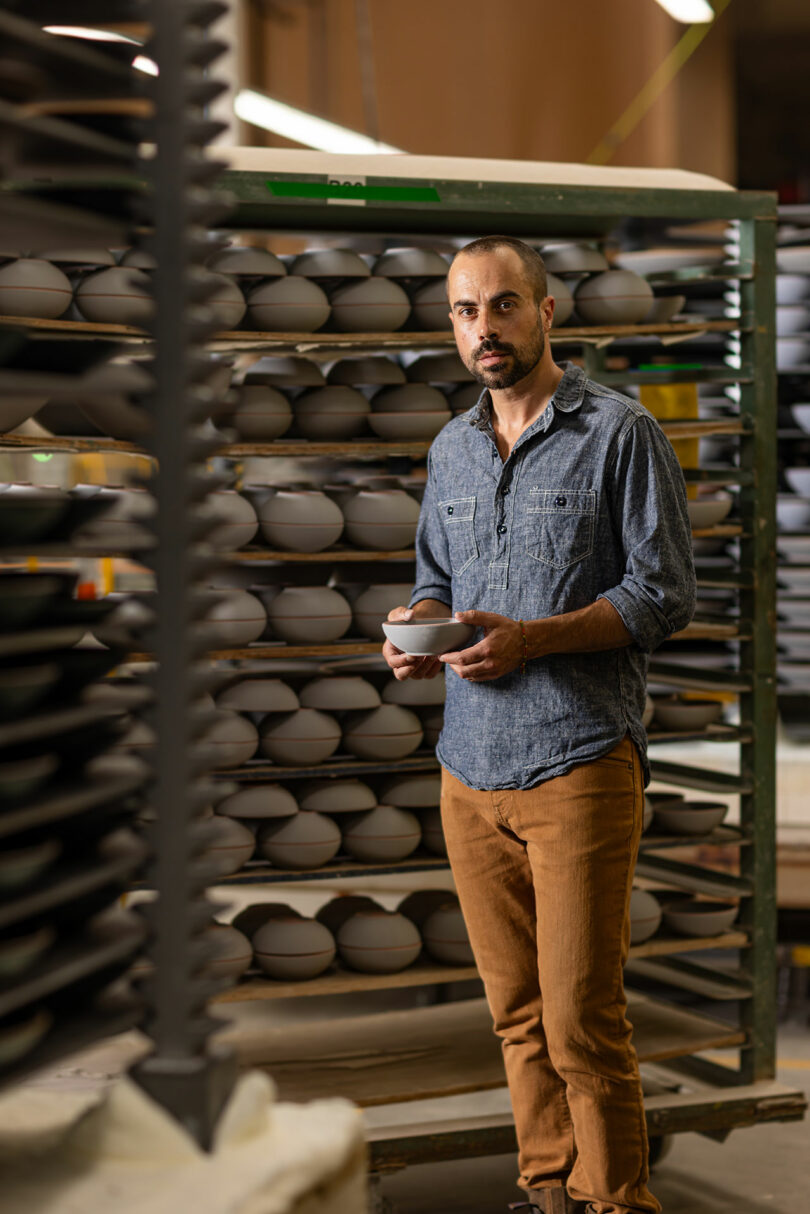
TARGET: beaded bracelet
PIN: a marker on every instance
(525, 657)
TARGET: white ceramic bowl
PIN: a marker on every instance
(294, 948)
(379, 942)
(415, 692)
(384, 733)
(693, 917)
(445, 938)
(709, 510)
(369, 305)
(331, 414)
(308, 840)
(791, 289)
(799, 480)
(689, 817)
(428, 637)
(793, 259)
(382, 834)
(792, 352)
(645, 915)
(792, 513)
(339, 693)
(336, 796)
(792, 319)
(262, 414)
(287, 305)
(617, 297)
(674, 715)
(259, 801)
(801, 415)
(258, 695)
(309, 615)
(33, 287)
(381, 519)
(300, 738)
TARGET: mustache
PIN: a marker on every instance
(489, 347)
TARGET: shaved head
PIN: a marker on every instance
(533, 264)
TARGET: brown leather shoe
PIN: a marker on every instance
(549, 1201)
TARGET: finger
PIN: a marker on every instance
(481, 619)
(428, 669)
(463, 657)
(399, 613)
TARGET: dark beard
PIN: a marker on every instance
(523, 362)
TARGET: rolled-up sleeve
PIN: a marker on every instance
(433, 578)
(656, 595)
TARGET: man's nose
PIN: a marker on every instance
(487, 324)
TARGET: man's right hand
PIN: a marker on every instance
(404, 665)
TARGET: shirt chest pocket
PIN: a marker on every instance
(560, 525)
(458, 515)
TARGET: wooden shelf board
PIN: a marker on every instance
(342, 765)
(719, 837)
(270, 652)
(342, 869)
(325, 555)
(436, 1051)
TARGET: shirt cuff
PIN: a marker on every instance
(441, 593)
(646, 623)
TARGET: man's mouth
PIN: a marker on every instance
(492, 356)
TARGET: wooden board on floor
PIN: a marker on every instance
(435, 1051)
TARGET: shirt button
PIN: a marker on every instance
(502, 529)
(449, 509)
(559, 501)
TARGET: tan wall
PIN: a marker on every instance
(525, 79)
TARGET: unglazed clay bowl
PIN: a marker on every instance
(384, 733)
(645, 915)
(257, 801)
(693, 917)
(14, 410)
(408, 427)
(430, 307)
(381, 519)
(410, 263)
(690, 817)
(254, 916)
(123, 523)
(300, 738)
(258, 695)
(574, 259)
(649, 711)
(79, 258)
(287, 305)
(236, 523)
(409, 398)
(687, 715)
(289, 371)
(340, 908)
(299, 520)
(309, 615)
(118, 295)
(799, 480)
(664, 308)
(226, 303)
(243, 262)
(372, 606)
(339, 693)
(369, 305)
(308, 840)
(231, 740)
(446, 369)
(33, 287)
(432, 723)
(382, 834)
(262, 413)
(444, 934)
(709, 510)
(331, 414)
(366, 370)
(563, 300)
(416, 791)
(230, 952)
(617, 297)
(792, 513)
(428, 637)
(336, 796)
(379, 942)
(236, 620)
(415, 693)
(330, 263)
(432, 832)
(465, 397)
(420, 904)
(294, 948)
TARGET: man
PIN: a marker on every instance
(554, 520)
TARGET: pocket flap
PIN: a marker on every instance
(458, 509)
(562, 501)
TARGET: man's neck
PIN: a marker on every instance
(515, 409)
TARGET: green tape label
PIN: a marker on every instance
(352, 190)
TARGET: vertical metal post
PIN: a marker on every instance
(758, 656)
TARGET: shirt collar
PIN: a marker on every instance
(568, 397)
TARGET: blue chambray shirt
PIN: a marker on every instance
(590, 504)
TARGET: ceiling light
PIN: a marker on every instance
(690, 12)
(142, 64)
(94, 35)
(302, 127)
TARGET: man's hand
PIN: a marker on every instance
(496, 654)
(404, 665)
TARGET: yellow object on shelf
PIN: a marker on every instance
(675, 402)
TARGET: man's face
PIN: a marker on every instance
(498, 324)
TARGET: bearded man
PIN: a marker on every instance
(554, 521)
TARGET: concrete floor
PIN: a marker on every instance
(759, 1170)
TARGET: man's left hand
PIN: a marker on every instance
(498, 652)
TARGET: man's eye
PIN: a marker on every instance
(466, 311)
(506, 304)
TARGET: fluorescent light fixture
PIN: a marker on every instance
(301, 127)
(80, 31)
(690, 12)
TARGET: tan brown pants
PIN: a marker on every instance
(544, 878)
